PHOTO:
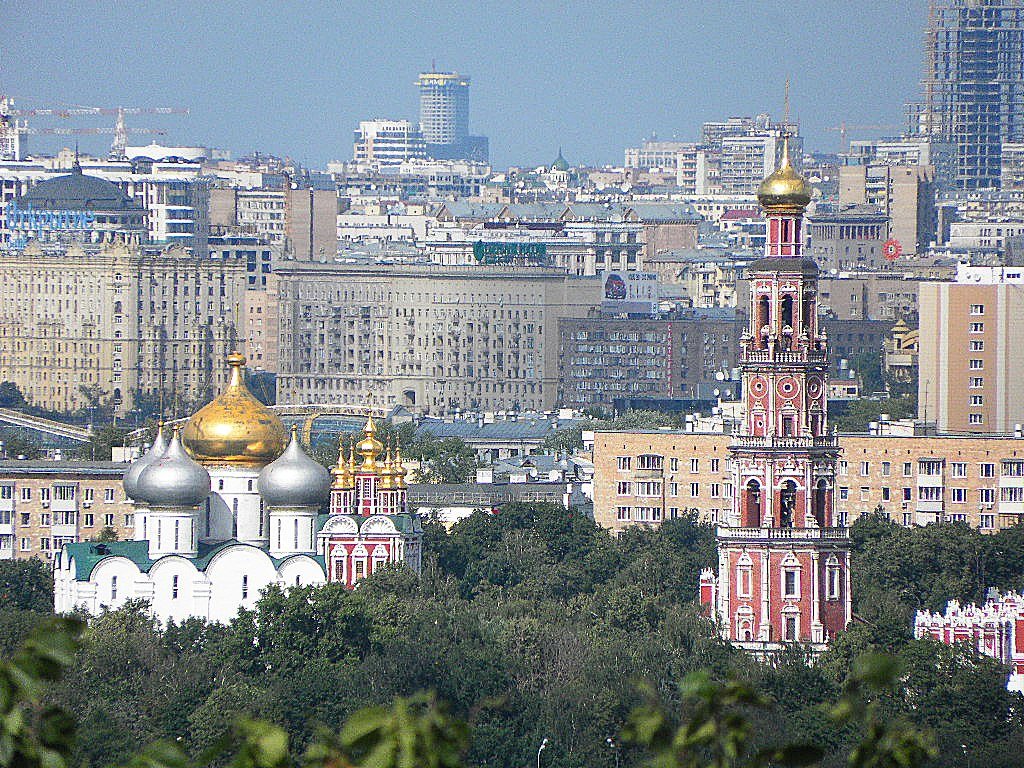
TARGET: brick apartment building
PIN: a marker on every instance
(646, 477)
(44, 504)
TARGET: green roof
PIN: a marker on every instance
(88, 554)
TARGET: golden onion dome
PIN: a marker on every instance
(342, 473)
(387, 473)
(400, 470)
(369, 447)
(784, 190)
(235, 428)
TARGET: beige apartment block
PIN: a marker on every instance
(970, 364)
(643, 478)
(435, 339)
(120, 320)
(46, 504)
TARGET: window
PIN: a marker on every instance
(929, 493)
(694, 490)
(789, 628)
(88, 521)
(108, 520)
(885, 493)
(44, 518)
(865, 493)
(976, 364)
(108, 495)
(977, 309)
(650, 489)
(177, 533)
(6, 491)
(26, 544)
(958, 469)
(673, 464)
(716, 491)
(113, 587)
(791, 582)
(832, 588)
(959, 495)
(886, 468)
(174, 588)
(929, 467)
(622, 463)
(694, 466)
(743, 579)
(842, 468)
(44, 544)
(624, 488)
(25, 519)
(987, 496)
(975, 418)
(245, 587)
(44, 494)
(649, 462)
(977, 327)
(987, 469)
(865, 468)
(977, 345)
(977, 382)
(1013, 494)
(715, 464)
(908, 469)
(622, 513)
(26, 494)
(844, 493)
(673, 513)
(988, 521)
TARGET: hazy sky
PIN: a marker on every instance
(294, 78)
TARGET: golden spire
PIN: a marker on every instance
(387, 472)
(400, 470)
(342, 473)
(785, 190)
(235, 428)
(369, 447)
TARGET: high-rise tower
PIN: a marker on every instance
(444, 118)
(783, 563)
(973, 84)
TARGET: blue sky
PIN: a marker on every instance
(294, 78)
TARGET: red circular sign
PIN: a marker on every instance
(892, 249)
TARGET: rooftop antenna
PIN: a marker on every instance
(433, 65)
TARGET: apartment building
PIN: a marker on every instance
(602, 359)
(904, 193)
(847, 237)
(120, 320)
(45, 504)
(969, 364)
(437, 339)
(387, 143)
(647, 477)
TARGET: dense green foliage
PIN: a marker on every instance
(536, 624)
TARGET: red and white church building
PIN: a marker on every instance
(783, 558)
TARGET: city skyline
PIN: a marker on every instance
(592, 89)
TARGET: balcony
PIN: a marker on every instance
(784, 356)
(785, 534)
(787, 443)
(929, 507)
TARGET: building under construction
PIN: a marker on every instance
(974, 84)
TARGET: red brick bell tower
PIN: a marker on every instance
(783, 563)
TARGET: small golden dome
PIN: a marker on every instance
(235, 428)
(342, 473)
(785, 190)
(400, 470)
(369, 447)
(387, 473)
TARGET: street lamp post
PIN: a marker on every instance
(614, 746)
(543, 746)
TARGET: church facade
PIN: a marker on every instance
(231, 505)
(783, 562)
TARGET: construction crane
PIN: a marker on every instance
(843, 129)
(120, 131)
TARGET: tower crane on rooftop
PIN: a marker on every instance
(844, 129)
(120, 131)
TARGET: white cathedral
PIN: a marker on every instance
(230, 506)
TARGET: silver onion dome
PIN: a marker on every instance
(131, 477)
(293, 479)
(174, 480)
